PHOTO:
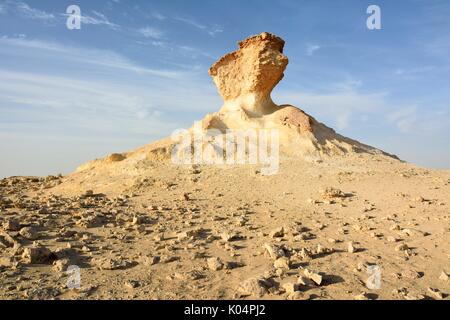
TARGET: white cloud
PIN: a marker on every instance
(404, 118)
(311, 48)
(73, 98)
(343, 104)
(98, 19)
(105, 92)
(150, 32)
(159, 16)
(411, 119)
(348, 107)
(211, 30)
(191, 22)
(97, 57)
(26, 11)
(195, 52)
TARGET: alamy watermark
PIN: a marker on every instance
(74, 17)
(73, 21)
(73, 277)
(374, 20)
(374, 280)
(230, 147)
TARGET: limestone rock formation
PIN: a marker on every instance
(245, 79)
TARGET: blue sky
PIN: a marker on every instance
(137, 70)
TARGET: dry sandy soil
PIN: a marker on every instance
(140, 227)
(152, 238)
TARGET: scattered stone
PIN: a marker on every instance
(411, 274)
(274, 251)
(29, 233)
(282, 263)
(190, 234)
(331, 193)
(277, 233)
(290, 287)
(110, 264)
(226, 236)
(321, 250)
(150, 261)
(159, 237)
(11, 225)
(362, 296)
(414, 233)
(444, 276)
(436, 293)
(6, 262)
(132, 284)
(391, 239)
(412, 296)
(61, 265)
(314, 276)
(296, 295)
(254, 287)
(37, 255)
(395, 227)
(351, 248)
(279, 272)
(215, 264)
(305, 254)
(137, 220)
(420, 199)
(312, 201)
(169, 259)
(186, 197)
(190, 275)
(401, 247)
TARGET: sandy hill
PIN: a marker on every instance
(245, 79)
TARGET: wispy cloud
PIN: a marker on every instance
(151, 32)
(311, 48)
(413, 71)
(410, 119)
(211, 30)
(28, 12)
(95, 91)
(97, 57)
(195, 52)
(98, 18)
(158, 16)
(341, 108)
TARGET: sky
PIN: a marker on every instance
(137, 70)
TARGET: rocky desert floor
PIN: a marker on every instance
(312, 231)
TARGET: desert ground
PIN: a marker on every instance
(141, 227)
(203, 233)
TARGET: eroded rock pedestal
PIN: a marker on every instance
(245, 79)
